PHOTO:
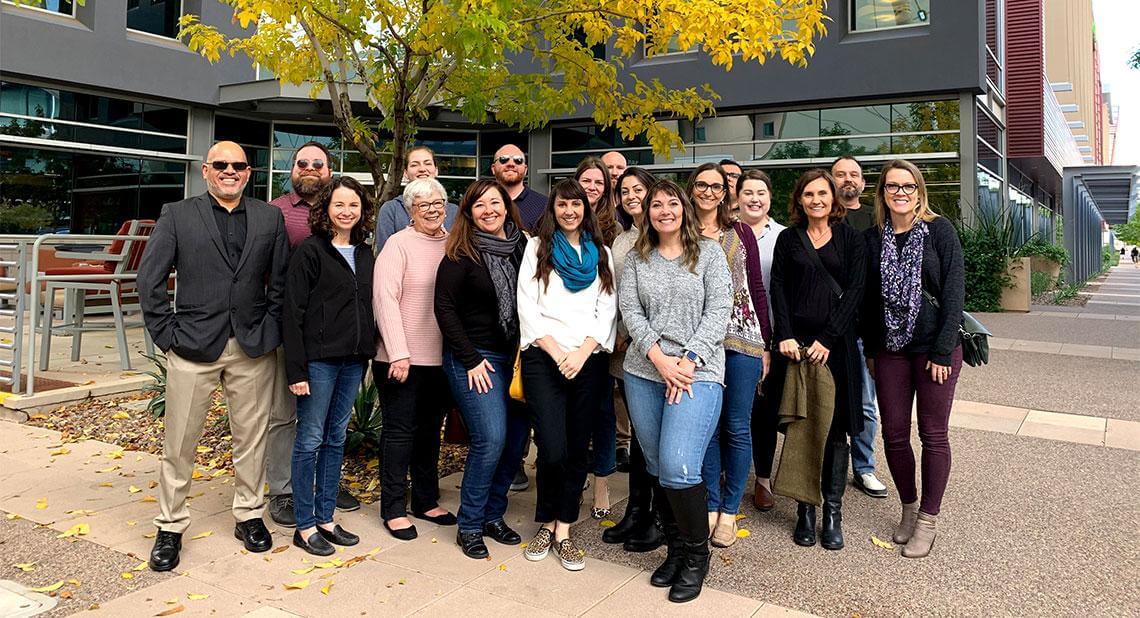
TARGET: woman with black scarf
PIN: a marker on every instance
(475, 305)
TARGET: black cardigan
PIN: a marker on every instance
(328, 309)
(799, 290)
(943, 276)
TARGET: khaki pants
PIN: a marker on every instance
(247, 383)
(282, 432)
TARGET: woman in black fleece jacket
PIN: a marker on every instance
(913, 310)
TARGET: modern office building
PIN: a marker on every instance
(1072, 61)
(103, 114)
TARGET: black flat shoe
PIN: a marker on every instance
(164, 556)
(316, 545)
(339, 536)
(472, 545)
(346, 502)
(447, 519)
(501, 532)
(254, 535)
(402, 534)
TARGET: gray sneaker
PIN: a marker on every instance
(573, 559)
(281, 510)
(521, 482)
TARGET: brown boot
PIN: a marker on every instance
(762, 498)
(905, 528)
(923, 538)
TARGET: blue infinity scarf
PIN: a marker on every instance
(577, 272)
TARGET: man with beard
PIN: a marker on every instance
(311, 174)
(509, 167)
(229, 252)
(849, 182)
(394, 216)
(732, 170)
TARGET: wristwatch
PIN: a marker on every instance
(694, 358)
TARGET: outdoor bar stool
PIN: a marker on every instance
(86, 297)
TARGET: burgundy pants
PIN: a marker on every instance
(898, 379)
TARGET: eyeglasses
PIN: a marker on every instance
(894, 188)
(518, 159)
(305, 163)
(426, 206)
(702, 186)
(239, 166)
(732, 175)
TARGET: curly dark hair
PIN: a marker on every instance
(321, 225)
(570, 190)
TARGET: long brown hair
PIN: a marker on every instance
(797, 216)
(461, 238)
(648, 238)
(922, 211)
(607, 219)
(569, 190)
(321, 225)
(723, 212)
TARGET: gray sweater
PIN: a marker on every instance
(662, 302)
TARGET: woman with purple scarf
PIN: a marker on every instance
(910, 335)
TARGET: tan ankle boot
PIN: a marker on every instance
(905, 528)
(923, 539)
(724, 535)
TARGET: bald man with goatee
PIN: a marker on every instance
(229, 252)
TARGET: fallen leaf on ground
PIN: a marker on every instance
(106, 470)
(740, 516)
(80, 512)
(66, 594)
(172, 601)
(881, 543)
(149, 499)
(300, 585)
(49, 588)
(743, 533)
(197, 597)
(133, 489)
(37, 417)
(201, 535)
(303, 571)
(131, 522)
(26, 567)
(502, 567)
(118, 454)
(152, 485)
(331, 564)
(59, 451)
(76, 530)
(172, 610)
(41, 503)
(73, 582)
(140, 566)
(118, 416)
(106, 484)
(11, 516)
(280, 549)
(325, 589)
(127, 575)
(606, 523)
(150, 535)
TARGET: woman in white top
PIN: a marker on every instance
(567, 318)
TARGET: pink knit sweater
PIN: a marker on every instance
(403, 295)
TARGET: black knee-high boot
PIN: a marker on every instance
(690, 508)
(834, 483)
(638, 529)
(666, 574)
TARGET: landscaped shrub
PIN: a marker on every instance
(987, 246)
(1039, 283)
(1035, 246)
(366, 423)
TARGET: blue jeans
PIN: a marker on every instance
(673, 437)
(605, 434)
(863, 445)
(731, 443)
(322, 419)
(499, 428)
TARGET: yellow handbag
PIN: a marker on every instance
(516, 379)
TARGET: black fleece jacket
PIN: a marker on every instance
(943, 276)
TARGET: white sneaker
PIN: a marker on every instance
(871, 485)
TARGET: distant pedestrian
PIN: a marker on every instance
(916, 290)
(1135, 255)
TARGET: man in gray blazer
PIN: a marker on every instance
(229, 253)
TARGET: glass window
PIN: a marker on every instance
(855, 120)
(155, 16)
(878, 14)
(64, 7)
(445, 142)
(925, 116)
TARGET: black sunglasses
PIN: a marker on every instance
(305, 163)
(518, 159)
(239, 166)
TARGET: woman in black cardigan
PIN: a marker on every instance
(815, 324)
(910, 325)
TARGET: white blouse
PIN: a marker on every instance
(568, 317)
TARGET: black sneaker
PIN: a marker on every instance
(521, 482)
(345, 501)
(281, 511)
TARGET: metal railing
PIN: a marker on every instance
(14, 250)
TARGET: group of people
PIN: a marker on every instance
(624, 319)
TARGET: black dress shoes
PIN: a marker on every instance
(345, 501)
(447, 519)
(164, 556)
(472, 545)
(501, 532)
(254, 535)
(339, 536)
(402, 534)
(316, 545)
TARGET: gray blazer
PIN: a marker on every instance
(214, 295)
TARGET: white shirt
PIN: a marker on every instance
(568, 317)
(767, 243)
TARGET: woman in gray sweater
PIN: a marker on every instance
(675, 298)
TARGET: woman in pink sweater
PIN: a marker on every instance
(408, 370)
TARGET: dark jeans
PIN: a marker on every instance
(413, 414)
(562, 412)
(765, 417)
(498, 428)
(605, 433)
(899, 378)
(322, 419)
(730, 450)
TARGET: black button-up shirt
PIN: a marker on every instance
(232, 225)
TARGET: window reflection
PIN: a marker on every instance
(877, 14)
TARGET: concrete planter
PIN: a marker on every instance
(1038, 264)
(1016, 296)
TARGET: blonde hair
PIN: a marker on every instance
(921, 211)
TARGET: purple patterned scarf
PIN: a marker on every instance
(902, 283)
